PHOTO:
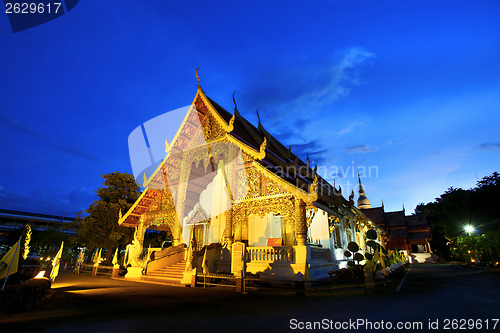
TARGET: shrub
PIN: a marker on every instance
(20, 296)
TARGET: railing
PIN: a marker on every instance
(271, 253)
(100, 269)
(169, 251)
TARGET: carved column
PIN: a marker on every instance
(238, 227)
(181, 199)
(300, 221)
(229, 227)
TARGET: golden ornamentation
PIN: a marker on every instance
(272, 187)
(27, 241)
(253, 181)
(310, 213)
(230, 128)
(313, 189)
(262, 150)
(282, 206)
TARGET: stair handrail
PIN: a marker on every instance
(172, 251)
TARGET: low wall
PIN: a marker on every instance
(287, 263)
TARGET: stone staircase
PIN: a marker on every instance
(421, 258)
(171, 275)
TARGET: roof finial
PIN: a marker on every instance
(258, 116)
(197, 77)
(234, 101)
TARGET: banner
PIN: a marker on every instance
(56, 263)
(10, 262)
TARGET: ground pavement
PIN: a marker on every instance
(429, 295)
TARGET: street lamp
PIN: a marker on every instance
(469, 229)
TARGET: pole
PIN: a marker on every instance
(10, 265)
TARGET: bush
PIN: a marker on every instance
(18, 297)
(348, 274)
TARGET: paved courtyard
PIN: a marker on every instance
(434, 293)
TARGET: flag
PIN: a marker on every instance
(97, 257)
(56, 263)
(80, 257)
(115, 258)
(126, 258)
(10, 261)
(204, 262)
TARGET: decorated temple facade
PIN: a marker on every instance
(408, 233)
(224, 181)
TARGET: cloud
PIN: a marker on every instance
(55, 143)
(292, 99)
(348, 128)
(302, 88)
(489, 146)
(360, 149)
(312, 148)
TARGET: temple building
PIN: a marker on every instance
(236, 199)
(409, 233)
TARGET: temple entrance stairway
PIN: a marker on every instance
(171, 274)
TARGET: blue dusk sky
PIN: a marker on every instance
(409, 90)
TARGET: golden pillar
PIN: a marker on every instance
(300, 221)
(229, 227)
(238, 226)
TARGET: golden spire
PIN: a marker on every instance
(360, 186)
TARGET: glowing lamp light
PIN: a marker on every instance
(40, 275)
(469, 229)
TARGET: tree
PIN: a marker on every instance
(478, 207)
(100, 227)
